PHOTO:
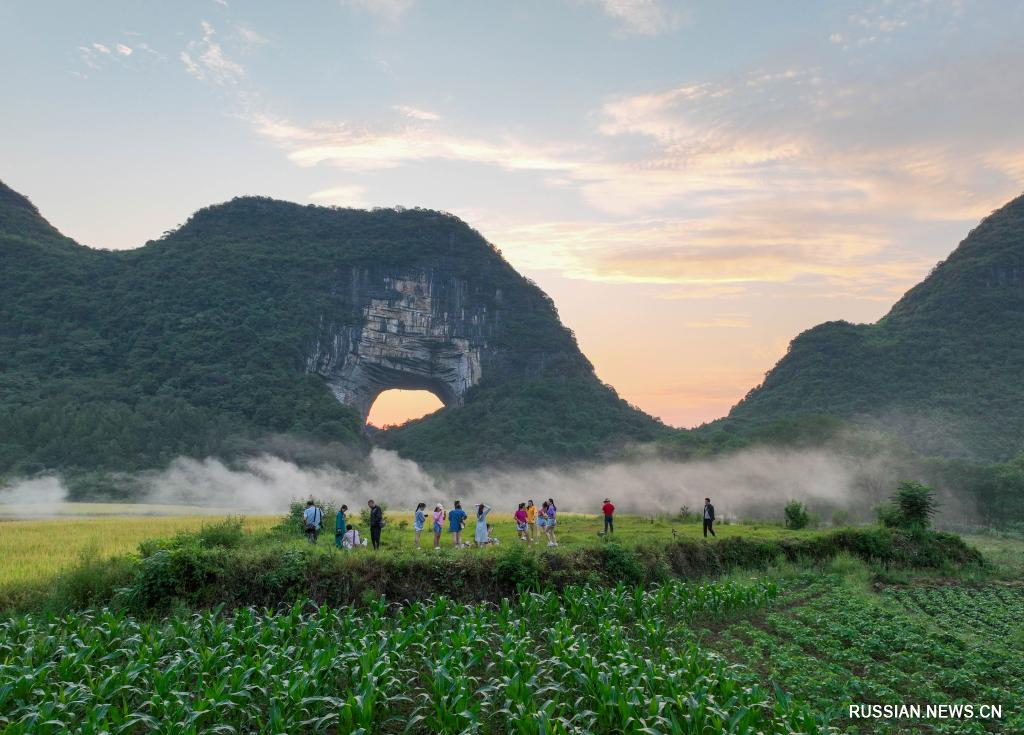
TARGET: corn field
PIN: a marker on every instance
(589, 660)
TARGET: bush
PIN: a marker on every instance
(796, 515)
(622, 564)
(688, 516)
(519, 567)
(911, 507)
(227, 534)
(917, 505)
(888, 514)
(841, 517)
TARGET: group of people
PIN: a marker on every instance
(528, 518)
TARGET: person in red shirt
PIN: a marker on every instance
(609, 513)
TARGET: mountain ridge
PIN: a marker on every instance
(941, 368)
(200, 343)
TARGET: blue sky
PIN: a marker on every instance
(694, 183)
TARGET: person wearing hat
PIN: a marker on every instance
(609, 516)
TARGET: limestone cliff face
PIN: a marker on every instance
(418, 329)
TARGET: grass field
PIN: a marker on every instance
(34, 550)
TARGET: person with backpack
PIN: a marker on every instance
(340, 525)
(456, 522)
(376, 523)
(312, 520)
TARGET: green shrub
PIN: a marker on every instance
(911, 507)
(227, 534)
(841, 517)
(688, 516)
(519, 566)
(917, 505)
(796, 515)
(888, 514)
(621, 564)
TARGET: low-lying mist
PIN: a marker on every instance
(753, 483)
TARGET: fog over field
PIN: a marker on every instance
(752, 483)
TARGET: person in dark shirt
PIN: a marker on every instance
(709, 517)
(609, 516)
(376, 523)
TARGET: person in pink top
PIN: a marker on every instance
(521, 522)
(439, 516)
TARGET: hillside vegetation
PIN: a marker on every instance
(196, 344)
(942, 370)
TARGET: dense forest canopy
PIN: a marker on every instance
(195, 344)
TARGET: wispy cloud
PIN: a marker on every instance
(205, 59)
(416, 113)
(729, 252)
(97, 54)
(646, 17)
(367, 148)
(249, 36)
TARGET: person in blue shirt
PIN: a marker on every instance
(419, 521)
(456, 520)
(312, 520)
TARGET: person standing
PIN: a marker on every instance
(456, 521)
(312, 520)
(549, 529)
(376, 523)
(531, 519)
(439, 516)
(481, 534)
(709, 517)
(522, 522)
(609, 516)
(340, 525)
(419, 521)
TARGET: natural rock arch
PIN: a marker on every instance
(418, 331)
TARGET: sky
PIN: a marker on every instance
(694, 183)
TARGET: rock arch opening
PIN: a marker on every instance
(396, 406)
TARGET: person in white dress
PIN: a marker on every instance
(481, 534)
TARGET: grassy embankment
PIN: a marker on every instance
(221, 562)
